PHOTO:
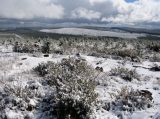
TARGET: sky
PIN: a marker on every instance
(130, 0)
(90, 11)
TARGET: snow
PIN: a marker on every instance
(108, 85)
(13, 115)
(90, 32)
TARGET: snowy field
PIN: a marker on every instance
(16, 71)
(90, 32)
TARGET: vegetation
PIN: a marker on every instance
(131, 100)
(125, 73)
(75, 85)
(66, 90)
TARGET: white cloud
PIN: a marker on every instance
(139, 11)
(29, 9)
(86, 14)
(93, 2)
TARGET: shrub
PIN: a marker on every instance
(125, 73)
(42, 69)
(75, 85)
(67, 108)
(75, 99)
(16, 47)
(23, 48)
(131, 100)
(46, 48)
(19, 91)
(154, 47)
(155, 58)
(127, 53)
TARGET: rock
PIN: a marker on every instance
(99, 69)
(100, 62)
(78, 55)
(146, 94)
(23, 58)
(46, 55)
(29, 108)
(155, 68)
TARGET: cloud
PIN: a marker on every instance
(136, 12)
(30, 9)
(93, 2)
(86, 14)
(115, 11)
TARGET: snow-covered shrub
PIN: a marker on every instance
(19, 91)
(125, 73)
(127, 53)
(23, 47)
(42, 69)
(76, 99)
(19, 98)
(70, 108)
(2, 105)
(155, 58)
(75, 86)
(67, 69)
(46, 47)
(16, 47)
(154, 47)
(131, 100)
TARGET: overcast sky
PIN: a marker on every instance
(114, 11)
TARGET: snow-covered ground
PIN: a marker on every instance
(16, 70)
(91, 32)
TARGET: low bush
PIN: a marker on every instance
(125, 73)
(42, 69)
(154, 47)
(75, 86)
(25, 48)
(155, 58)
(75, 100)
(127, 53)
(131, 100)
(68, 108)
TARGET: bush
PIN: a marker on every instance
(154, 47)
(75, 100)
(42, 69)
(24, 48)
(131, 100)
(127, 53)
(46, 48)
(67, 108)
(74, 82)
(125, 73)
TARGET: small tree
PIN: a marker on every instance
(46, 47)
